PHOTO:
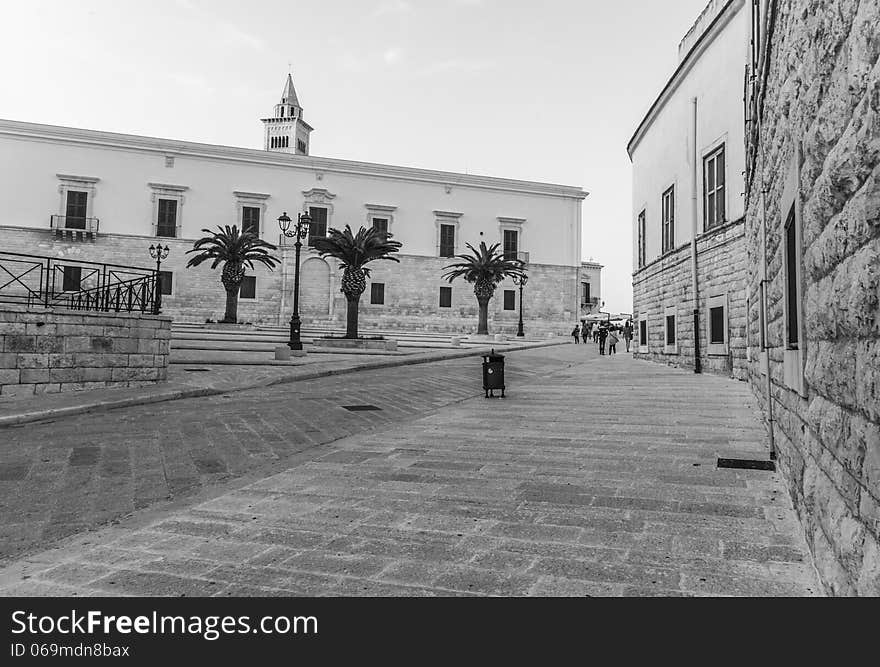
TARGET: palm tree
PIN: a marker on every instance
(354, 251)
(236, 250)
(486, 268)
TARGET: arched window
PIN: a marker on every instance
(282, 112)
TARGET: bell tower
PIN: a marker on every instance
(286, 131)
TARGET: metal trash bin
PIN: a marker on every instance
(493, 373)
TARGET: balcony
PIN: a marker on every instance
(589, 305)
(74, 227)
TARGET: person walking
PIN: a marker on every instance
(603, 334)
(576, 334)
(595, 332)
(628, 333)
(612, 342)
(585, 332)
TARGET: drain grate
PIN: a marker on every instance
(197, 370)
(747, 464)
(360, 408)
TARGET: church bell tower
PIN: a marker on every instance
(286, 131)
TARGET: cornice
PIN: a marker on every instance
(448, 214)
(168, 186)
(700, 45)
(78, 179)
(53, 133)
(380, 208)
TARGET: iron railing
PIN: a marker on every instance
(74, 224)
(51, 282)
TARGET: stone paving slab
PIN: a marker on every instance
(554, 491)
(218, 376)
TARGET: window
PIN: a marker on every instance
(165, 282)
(671, 338)
(301, 146)
(377, 293)
(585, 294)
(643, 334)
(72, 279)
(668, 220)
(77, 205)
(250, 220)
(509, 299)
(248, 289)
(381, 225)
(318, 226)
(641, 239)
(718, 337)
(792, 331)
(166, 223)
(446, 297)
(511, 245)
(713, 188)
(447, 240)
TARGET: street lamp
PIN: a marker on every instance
(299, 232)
(159, 253)
(520, 281)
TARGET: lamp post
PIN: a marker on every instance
(299, 232)
(520, 281)
(159, 253)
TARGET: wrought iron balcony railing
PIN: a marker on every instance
(72, 226)
(34, 281)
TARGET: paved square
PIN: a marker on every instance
(596, 476)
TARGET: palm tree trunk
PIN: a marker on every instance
(483, 322)
(231, 315)
(351, 316)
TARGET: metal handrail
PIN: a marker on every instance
(34, 280)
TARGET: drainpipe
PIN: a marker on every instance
(765, 341)
(281, 245)
(698, 367)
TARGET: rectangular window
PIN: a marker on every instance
(670, 329)
(791, 283)
(447, 240)
(381, 225)
(377, 293)
(248, 288)
(165, 281)
(250, 220)
(509, 299)
(76, 210)
(713, 187)
(511, 243)
(643, 335)
(446, 297)
(585, 294)
(668, 220)
(301, 145)
(318, 226)
(72, 279)
(166, 225)
(642, 239)
(716, 325)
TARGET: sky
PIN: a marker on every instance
(546, 91)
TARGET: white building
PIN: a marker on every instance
(687, 202)
(105, 197)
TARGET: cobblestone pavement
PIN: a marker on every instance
(596, 476)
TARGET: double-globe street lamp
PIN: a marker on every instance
(520, 281)
(159, 253)
(299, 232)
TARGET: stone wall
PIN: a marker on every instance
(47, 351)
(666, 282)
(820, 129)
(412, 288)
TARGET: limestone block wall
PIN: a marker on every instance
(412, 287)
(47, 351)
(666, 282)
(821, 127)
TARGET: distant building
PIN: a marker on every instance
(105, 197)
(689, 249)
(813, 240)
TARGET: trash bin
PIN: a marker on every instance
(493, 374)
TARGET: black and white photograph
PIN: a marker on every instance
(331, 299)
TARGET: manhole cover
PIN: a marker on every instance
(747, 464)
(360, 408)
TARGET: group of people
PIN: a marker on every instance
(604, 334)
